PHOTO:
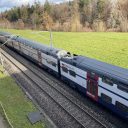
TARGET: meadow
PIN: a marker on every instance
(16, 105)
(108, 47)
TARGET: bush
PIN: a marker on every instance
(99, 26)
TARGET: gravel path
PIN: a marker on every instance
(2, 122)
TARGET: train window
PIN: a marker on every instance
(107, 81)
(72, 73)
(54, 64)
(121, 106)
(122, 87)
(65, 69)
(106, 98)
(51, 63)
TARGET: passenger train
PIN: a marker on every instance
(104, 83)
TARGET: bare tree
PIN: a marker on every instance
(123, 14)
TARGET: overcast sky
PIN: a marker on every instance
(7, 4)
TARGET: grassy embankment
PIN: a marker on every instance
(108, 47)
(16, 105)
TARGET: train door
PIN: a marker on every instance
(39, 57)
(92, 85)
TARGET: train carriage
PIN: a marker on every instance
(104, 83)
(70, 71)
(41, 54)
(50, 60)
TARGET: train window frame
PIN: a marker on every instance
(122, 87)
(121, 106)
(49, 62)
(72, 73)
(106, 98)
(64, 69)
(107, 81)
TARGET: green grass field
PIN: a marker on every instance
(108, 47)
(16, 105)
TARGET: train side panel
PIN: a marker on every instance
(50, 62)
(113, 98)
(76, 76)
(29, 51)
(106, 93)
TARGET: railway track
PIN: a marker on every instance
(77, 114)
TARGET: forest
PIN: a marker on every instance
(72, 16)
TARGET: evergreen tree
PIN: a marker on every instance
(47, 7)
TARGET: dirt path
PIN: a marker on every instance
(2, 122)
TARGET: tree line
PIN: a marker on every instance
(76, 15)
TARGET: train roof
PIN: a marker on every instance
(6, 34)
(99, 67)
(31, 43)
(44, 48)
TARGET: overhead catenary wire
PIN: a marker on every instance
(38, 34)
(48, 39)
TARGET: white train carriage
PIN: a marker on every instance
(104, 83)
(50, 61)
(28, 49)
(74, 74)
(41, 54)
